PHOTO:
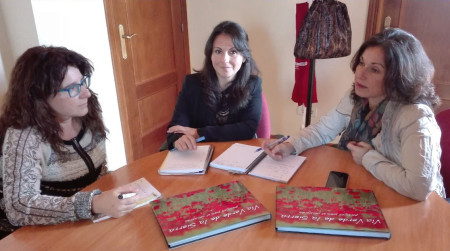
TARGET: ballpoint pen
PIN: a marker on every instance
(274, 143)
(126, 195)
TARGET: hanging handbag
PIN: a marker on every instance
(325, 31)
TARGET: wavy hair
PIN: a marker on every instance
(37, 75)
(240, 88)
(409, 71)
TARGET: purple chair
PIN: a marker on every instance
(263, 130)
(443, 120)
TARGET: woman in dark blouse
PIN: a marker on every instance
(222, 101)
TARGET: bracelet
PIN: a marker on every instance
(93, 193)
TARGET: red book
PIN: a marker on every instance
(196, 215)
(326, 210)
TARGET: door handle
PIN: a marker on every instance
(129, 36)
(122, 37)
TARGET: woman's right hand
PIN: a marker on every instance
(108, 202)
(185, 142)
(279, 151)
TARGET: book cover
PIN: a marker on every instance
(199, 214)
(147, 193)
(187, 162)
(325, 210)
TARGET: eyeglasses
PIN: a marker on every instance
(75, 89)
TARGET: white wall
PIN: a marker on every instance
(5, 56)
(17, 34)
(271, 28)
(79, 25)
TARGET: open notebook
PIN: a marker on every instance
(187, 162)
(244, 159)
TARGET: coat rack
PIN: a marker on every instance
(325, 33)
(310, 93)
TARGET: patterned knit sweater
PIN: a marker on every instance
(41, 186)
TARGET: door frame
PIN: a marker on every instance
(375, 14)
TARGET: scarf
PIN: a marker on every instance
(364, 124)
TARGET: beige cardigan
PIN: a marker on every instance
(407, 149)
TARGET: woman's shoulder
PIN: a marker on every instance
(255, 83)
(408, 114)
(415, 111)
(255, 79)
(27, 138)
(345, 106)
(25, 133)
(192, 78)
(192, 81)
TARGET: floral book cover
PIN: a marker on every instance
(192, 216)
(326, 210)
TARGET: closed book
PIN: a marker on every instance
(187, 162)
(334, 211)
(199, 214)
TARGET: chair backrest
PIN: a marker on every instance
(443, 120)
(263, 130)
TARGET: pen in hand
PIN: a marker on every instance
(270, 146)
(126, 195)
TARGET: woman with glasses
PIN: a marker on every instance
(53, 143)
(221, 102)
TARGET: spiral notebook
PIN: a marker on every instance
(245, 159)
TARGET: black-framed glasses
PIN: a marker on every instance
(75, 89)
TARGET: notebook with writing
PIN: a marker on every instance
(278, 170)
(243, 159)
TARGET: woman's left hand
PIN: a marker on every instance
(358, 149)
(184, 130)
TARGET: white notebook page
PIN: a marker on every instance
(186, 161)
(237, 157)
(281, 171)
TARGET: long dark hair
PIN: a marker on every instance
(240, 89)
(37, 75)
(409, 71)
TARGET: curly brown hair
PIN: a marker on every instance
(409, 71)
(37, 75)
